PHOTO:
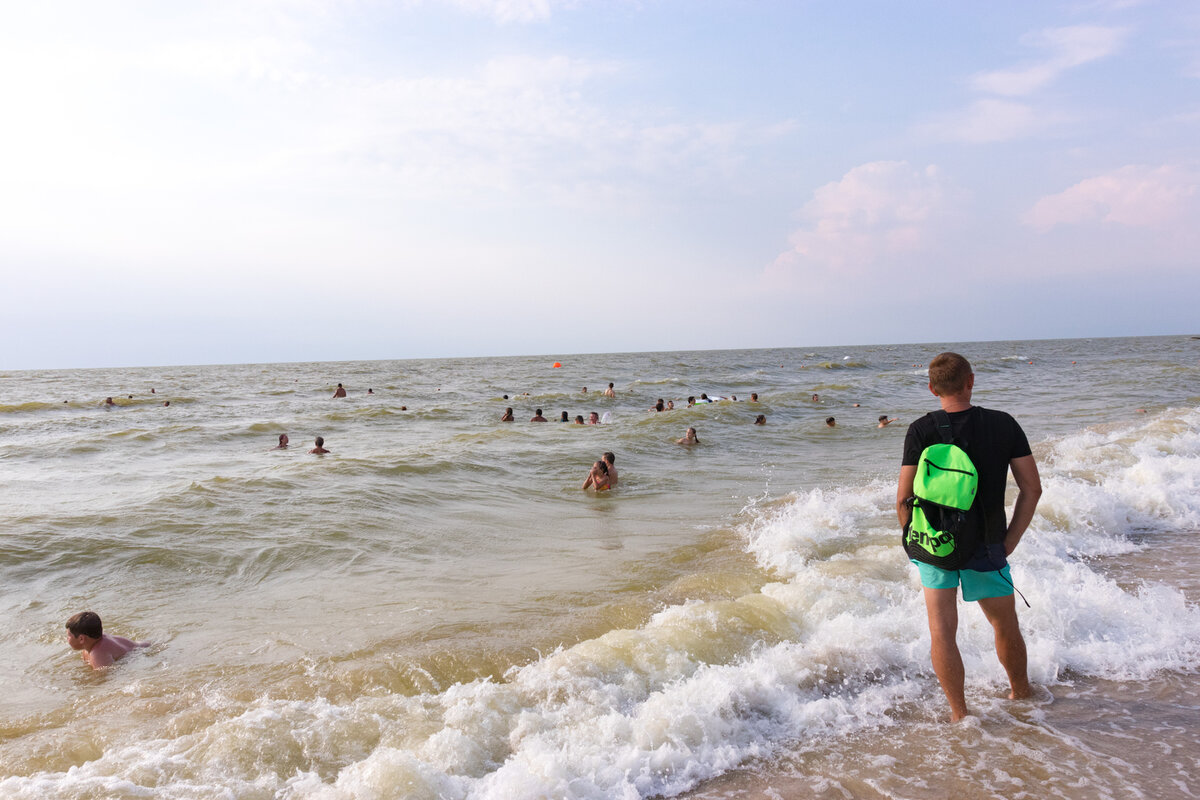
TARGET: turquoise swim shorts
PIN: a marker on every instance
(975, 585)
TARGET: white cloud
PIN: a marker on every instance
(1066, 48)
(508, 10)
(990, 120)
(278, 150)
(1134, 196)
(876, 214)
(1001, 118)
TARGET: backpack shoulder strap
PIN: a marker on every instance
(941, 421)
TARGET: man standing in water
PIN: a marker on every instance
(995, 443)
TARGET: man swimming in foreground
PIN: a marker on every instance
(85, 632)
(995, 443)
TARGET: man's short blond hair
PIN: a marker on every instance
(948, 374)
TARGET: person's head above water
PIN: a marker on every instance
(86, 623)
(949, 374)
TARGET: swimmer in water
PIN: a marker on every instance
(598, 477)
(689, 438)
(508, 415)
(761, 419)
(609, 458)
(283, 442)
(830, 421)
(340, 391)
(884, 421)
(85, 632)
(319, 450)
(609, 392)
(593, 418)
(537, 417)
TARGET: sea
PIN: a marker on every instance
(437, 609)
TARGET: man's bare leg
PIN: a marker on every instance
(1010, 645)
(942, 607)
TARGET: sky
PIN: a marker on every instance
(313, 180)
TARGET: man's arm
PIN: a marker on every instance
(908, 474)
(1029, 490)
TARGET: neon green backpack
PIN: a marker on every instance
(944, 529)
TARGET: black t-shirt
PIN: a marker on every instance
(991, 439)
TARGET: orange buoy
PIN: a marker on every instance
(557, 364)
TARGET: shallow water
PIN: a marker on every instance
(436, 609)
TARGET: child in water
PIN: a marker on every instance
(85, 632)
(598, 478)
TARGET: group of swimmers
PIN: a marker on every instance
(593, 417)
(692, 400)
(109, 404)
(85, 630)
(318, 449)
